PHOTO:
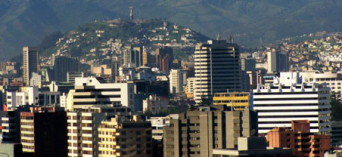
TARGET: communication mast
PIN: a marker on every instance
(131, 13)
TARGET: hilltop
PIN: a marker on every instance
(26, 22)
(101, 39)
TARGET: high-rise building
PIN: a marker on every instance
(120, 136)
(177, 80)
(83, 133)
(164, 58)
(233, 100)
(277, 61)
(290, 99)
(197, 132)
(217, 69)
(94, 91)
(299, 139)
(30, 63)
(11, 125)
(44, 132)
(133, 55)
(63, 65)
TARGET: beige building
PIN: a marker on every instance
(83, 129)
(30, 63)
(197, 132)
(124, 137)
(177, 80)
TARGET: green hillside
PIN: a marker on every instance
(26, 22)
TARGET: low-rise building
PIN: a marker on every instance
(233, 100)
(155, 104)
(299, 139)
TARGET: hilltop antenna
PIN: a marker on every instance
(218, 37)
(131, 13)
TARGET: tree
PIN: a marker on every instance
(336, 108)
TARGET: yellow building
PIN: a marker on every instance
(120, 137)
(237, 100)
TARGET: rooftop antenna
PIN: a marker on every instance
(131, 13)
(230, 37)
(218, 37)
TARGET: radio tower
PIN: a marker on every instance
(131, 13)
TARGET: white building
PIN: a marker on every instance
(36, 80)
(158, 123)
(289, 99)
(91, 91)
(177, 80)
(26, 96)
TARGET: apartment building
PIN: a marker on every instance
(234, 100)
(155, 104)
(43, 132)
(83, 128)
(197, 132)
(125, 137)
(290, 99)
(95, 91)
(177, 80)
(299, 139)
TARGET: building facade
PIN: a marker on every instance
(234, 100)
(289, 99)
(198, 132)
(217, 69)
(299, 139)
(30, 63)
(177, 80)
(94, 91)
(122, 137)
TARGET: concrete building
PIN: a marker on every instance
(190, 87)
(336, 133)
(30, 63)
(277, 61)
(44, 132)
(12, 150)
(83, 124)
(71, 76)
(124, 137)
(332, 80)
(26, 96)
(49, 99)
(164, 58)
(290, 99)
(177, 80)
(299, 139)
(94, 91)
(197, 132)
(252, 146)
(133, 55)
(11, 125)
(36, 80)
(235, 100)
(155, 104)
(63, 65)
(217, 69)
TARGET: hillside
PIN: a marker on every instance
(109, 37)
(26, 22)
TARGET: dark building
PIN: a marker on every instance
(44, 132)
(164, 59)
(11, 125)
(63, 65)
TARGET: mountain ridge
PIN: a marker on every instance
(26, 22)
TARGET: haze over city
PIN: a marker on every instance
(159, 78)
